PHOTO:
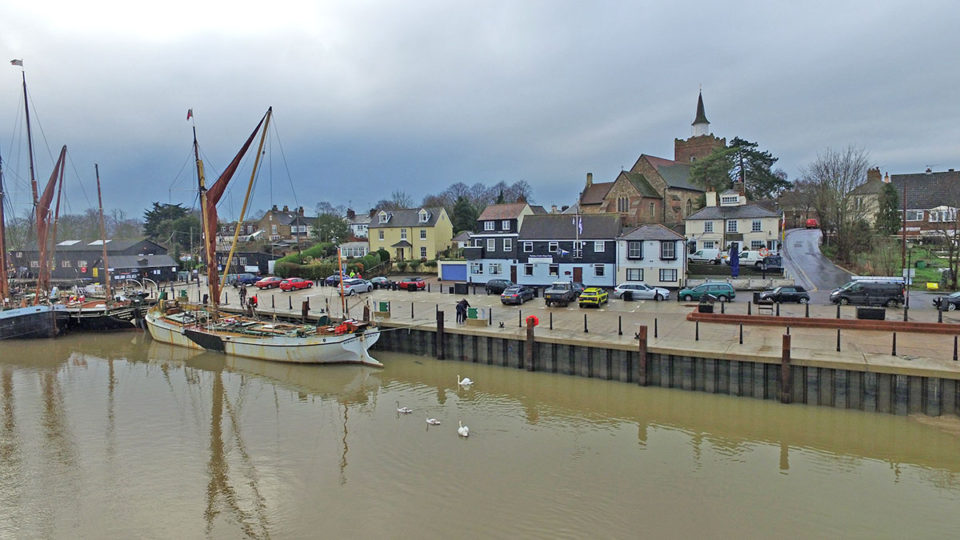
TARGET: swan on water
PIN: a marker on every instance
(463, 430)
(403, 410)
(464, 382)
(433, 421)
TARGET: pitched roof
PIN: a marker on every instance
(563, 227)
(651, 232)
(407, 217)
(928, 190)
(675, 173)
(595, 193)
(539, 209)
(732, 212)
(640, 182)
(502, 211)
(462, 236)
(141, 261)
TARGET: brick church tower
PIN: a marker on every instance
(701, 143)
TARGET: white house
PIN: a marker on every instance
(652, 254)
(731, 219)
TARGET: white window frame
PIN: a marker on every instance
(491, 244)
(505, 225)
(423, 252)
(599, 246)
(554, 270)
(381, 234)
(756, 226)
(552, 247)
(668, 275)
(476, 268)
(914, 215)
(528, 269)
(403, 234)
(709, 244)
(668, 250)
(756, 245)
(495, 269)
(578, 250)
(731, 226)
(489, 225)
(423, 234)
(508, 244)
(635, 249)
(599, 270)
(729, 199)
(424, 216)
(528, 247)
(383, 217)
(708, 226)
(634, 274)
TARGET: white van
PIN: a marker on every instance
(748, 258)
(705, 256)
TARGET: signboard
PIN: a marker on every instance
(540, 259)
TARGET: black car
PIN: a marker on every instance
(785, 294)
(948, 302)
(517, 294)
(497, 286)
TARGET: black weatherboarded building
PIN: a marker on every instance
(77, 261)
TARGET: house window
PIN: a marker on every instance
(708, 226)
(82, 263)
(689, 207)
(505, 225)
(668, 250)
(381, 234)
(554, 270)
(578, 249)
(708, 244)
(755, 226)
(476, 268)
(598, 247)
(34, 264)
(756, 244)
(598, 270)
(273, 229)
(552, 247)
(623, 204)
(495, 268)
(65, 264)
(491, 244)
(528, 269)
(732, 226)
(383, 217)
(528, 247)
(914, 215)
(729, 199)
(423, 234)
(489, 225)
(634, 274)
(423, 253)
(403, 234)
(424, 216)
(653, 209)
(508, 244)
(668, 275)
(477, 242)
(635, 250)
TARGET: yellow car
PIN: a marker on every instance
(593, 296)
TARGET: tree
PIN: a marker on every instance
(156, 220)
(332, 228)
(835, 174)
(741, 160)
(464, 215)
(888, 215)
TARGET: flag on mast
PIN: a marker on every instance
(16, 62)
(189, 114)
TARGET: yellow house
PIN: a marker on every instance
(407, 234)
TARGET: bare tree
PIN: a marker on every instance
(835, 174)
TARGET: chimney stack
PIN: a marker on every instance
(286, 208)
(300, 210)
(274, 208)
(589, 179)
(886, 177)
(873, 174)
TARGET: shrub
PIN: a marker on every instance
(430, 264)
(402, 266)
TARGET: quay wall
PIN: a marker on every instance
(841, 386)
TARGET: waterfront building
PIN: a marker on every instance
(492, 253)
(652, 254)
(561, 247)
(359, 223)
(76, 260)
(411, 233)
(728, 218)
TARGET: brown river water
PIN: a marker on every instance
(115, 436)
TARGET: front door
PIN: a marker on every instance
(513, 273)
(578, 274)
(399, 254)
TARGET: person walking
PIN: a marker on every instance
(462, 306)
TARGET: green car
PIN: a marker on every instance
(722, 292)
(593, 296)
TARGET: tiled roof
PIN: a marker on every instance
(595, 193)
(539, 210)
(928, 190)
(502, 211)
(677, 175)
(732, 212)
(406, 217)
(640, 182)
(563, 227)
(462, 236)
(651, 232)
(141, 261)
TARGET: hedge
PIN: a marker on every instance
(320, 270)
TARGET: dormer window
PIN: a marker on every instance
(424, 216)
(489, 225)
(505, 225)
(384, 217)
(729, 200)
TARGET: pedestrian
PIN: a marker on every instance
(243, 294)
(462, 306)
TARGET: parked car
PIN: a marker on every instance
(811, 224)
(562, 292)
(750, 257)
(381, 282)
(332, 280)
(637, 290)
(412, 284)
(593, 296)
(707, 255)
(290, 284)
(772, 263)
(356, 285)
(722, 292)
(242, 279)
(270, 282)
(497, 286)
(869, 293)
(785, 294)
(948, 302)
(516, 294)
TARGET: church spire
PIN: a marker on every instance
(701, 126)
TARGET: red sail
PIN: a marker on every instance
(43, 221)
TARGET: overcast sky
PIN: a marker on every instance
(374, 96)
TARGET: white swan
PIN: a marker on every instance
(433, 421)
(464, 382)
(403, 410)
(463, 430)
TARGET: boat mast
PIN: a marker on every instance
(26, 109)
(56, 221)
(103, 235)
(43, 225)
(4, 285)
(343, 299)
(210, 260)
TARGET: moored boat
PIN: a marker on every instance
(40, 321)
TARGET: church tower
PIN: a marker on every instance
(702, 143)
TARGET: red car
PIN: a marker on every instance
(290, 284)
(271, 282)
(412, 284)
(811, 224)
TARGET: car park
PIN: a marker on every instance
(785, 294)
(270, 282)
(412, 284)
(706, 255)
(381, 282)
(292, 283)
(870, 292)
(497, 286)
(947, 302)
(638, 290)
(355, 285)
(517, 294)
(593, 296)
(719, 290)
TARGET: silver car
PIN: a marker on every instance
(637, 290)
(354, 286)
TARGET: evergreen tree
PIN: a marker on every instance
(464, 215)
(888, 215)
(741, 160)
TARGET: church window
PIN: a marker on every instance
(623, 204)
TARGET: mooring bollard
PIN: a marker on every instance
(226, 298)
(551, 320)
(304, 310)
(655, 333)
(619, 325)
(954, 348)
(428, 287)
(838, 340)
(838, 311)
(723, 308)
(939, 315)
(490, 317)
(520, 318)
(411, 310)
(440, 342)
(642, 356)
(778, 309)
(290, 302)
(894, 351)
(786, 382)
(905, 310)
(788, 330)
(528, 358)
(697, 331)
(749, 310)
(273, 302)
(806, 310)
(585, 323)
(741, 333)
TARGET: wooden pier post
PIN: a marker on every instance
(304, 310)
(440, 352)
(642, 356)
(786, 381)
(528, 357)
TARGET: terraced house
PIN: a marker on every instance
(568, 247)
(492, 253)
(411, 234)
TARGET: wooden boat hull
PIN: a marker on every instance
(100, 317)
(314, 349)
(45, 321)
